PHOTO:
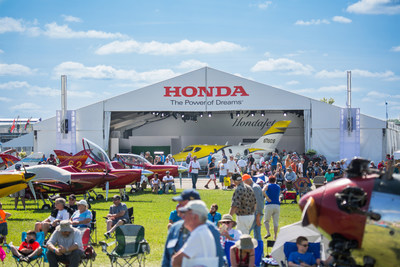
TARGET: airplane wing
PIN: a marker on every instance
(47, 172)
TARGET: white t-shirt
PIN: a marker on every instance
(232, 166)
(222, 169)
(61, 215)
(262, 159)
(242, 163)
(168, 179)
(195, 166)
(169, 163)
(200, 243)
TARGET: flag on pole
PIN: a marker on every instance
(12, 127)
(17, 124)
(27, 123)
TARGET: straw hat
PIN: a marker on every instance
(246, 242)
(227, 218)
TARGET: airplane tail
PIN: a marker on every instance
(77, 160)
(272, 136)
(62, 155)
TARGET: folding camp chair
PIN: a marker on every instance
(268, 260)
(37, 260)
(89, 255)
(93, 228)
(131, 246)
(259, 251)
(290, 247)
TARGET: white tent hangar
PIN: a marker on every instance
(208, 106)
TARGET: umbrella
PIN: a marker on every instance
(302, 182)
(290, 233)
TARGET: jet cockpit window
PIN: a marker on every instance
(197, 149)
(230, 151)
(188, 149)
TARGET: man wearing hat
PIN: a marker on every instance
(256, 226)
(82, 217)
(200, 242)
(118, 215)
(65, 244)
(178, 234)
(168, 181)
(243, 204)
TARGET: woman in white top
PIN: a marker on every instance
(223, 172)
(57, 215)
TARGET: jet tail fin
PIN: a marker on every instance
(62, 155)
(272, 136)
(77, 160)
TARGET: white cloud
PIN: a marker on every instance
(5, 99)
(8, 24)
(283, 65)
(14, 69)
(312, 22)
(71, 18)
(323, 89)
(388, 7)
(13, 85)
(157, 48)
(43, 91)
(396, 48)
(80, 71)
(292, 82)
(26, 107)
(387, 75)
(191, 64)
(341, 19)
(264, 5)
(53, 30)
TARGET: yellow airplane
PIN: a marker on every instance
(12, 182)
(266, 143)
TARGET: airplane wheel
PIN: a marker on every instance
(99, 197)
(90, 199)
(125, 198)
(133, 190)
(46, 207)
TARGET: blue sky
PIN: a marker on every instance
(110, 47)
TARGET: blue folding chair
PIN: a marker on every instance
(37, 260)
(259, 252)
(290, 247)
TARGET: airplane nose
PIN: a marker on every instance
(147, 173)
(28, 176)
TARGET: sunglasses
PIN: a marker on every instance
(304, 245)
(226, 222)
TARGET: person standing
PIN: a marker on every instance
(271, 193)
(211, 171)
(200, 243)
(256, 226)
(223, 172)
(232, 167)
(194, 167)
(274, 161)
(3, 224)
(178, 233)
(243, 204)
(242, 164)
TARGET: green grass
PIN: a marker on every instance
(150, 210)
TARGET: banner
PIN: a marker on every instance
(66, 141)
(349, 133)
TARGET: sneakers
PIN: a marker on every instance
(107, 235)
(267, 236)
(206, 186)
(216, 187)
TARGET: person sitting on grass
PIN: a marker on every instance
(117, 215)
(57, 215)
(242, 253)
(3, 224)
(301, 257)
(174, 216)
(28, 249)
(155, 183)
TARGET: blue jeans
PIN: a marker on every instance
(194, 179)
(256, 228)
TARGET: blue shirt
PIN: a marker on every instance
(274, 161)
(273, 193)
(177, 236)
(173, 216)
(215, 219)
(298, 258)
(78, 217)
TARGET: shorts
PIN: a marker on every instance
(221, 178)
(3, 229)
(212, 176)
(124, 220)
(20, 193)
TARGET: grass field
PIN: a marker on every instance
(150, 210)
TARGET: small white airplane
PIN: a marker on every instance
(265, 144)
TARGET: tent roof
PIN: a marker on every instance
(25, 140)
